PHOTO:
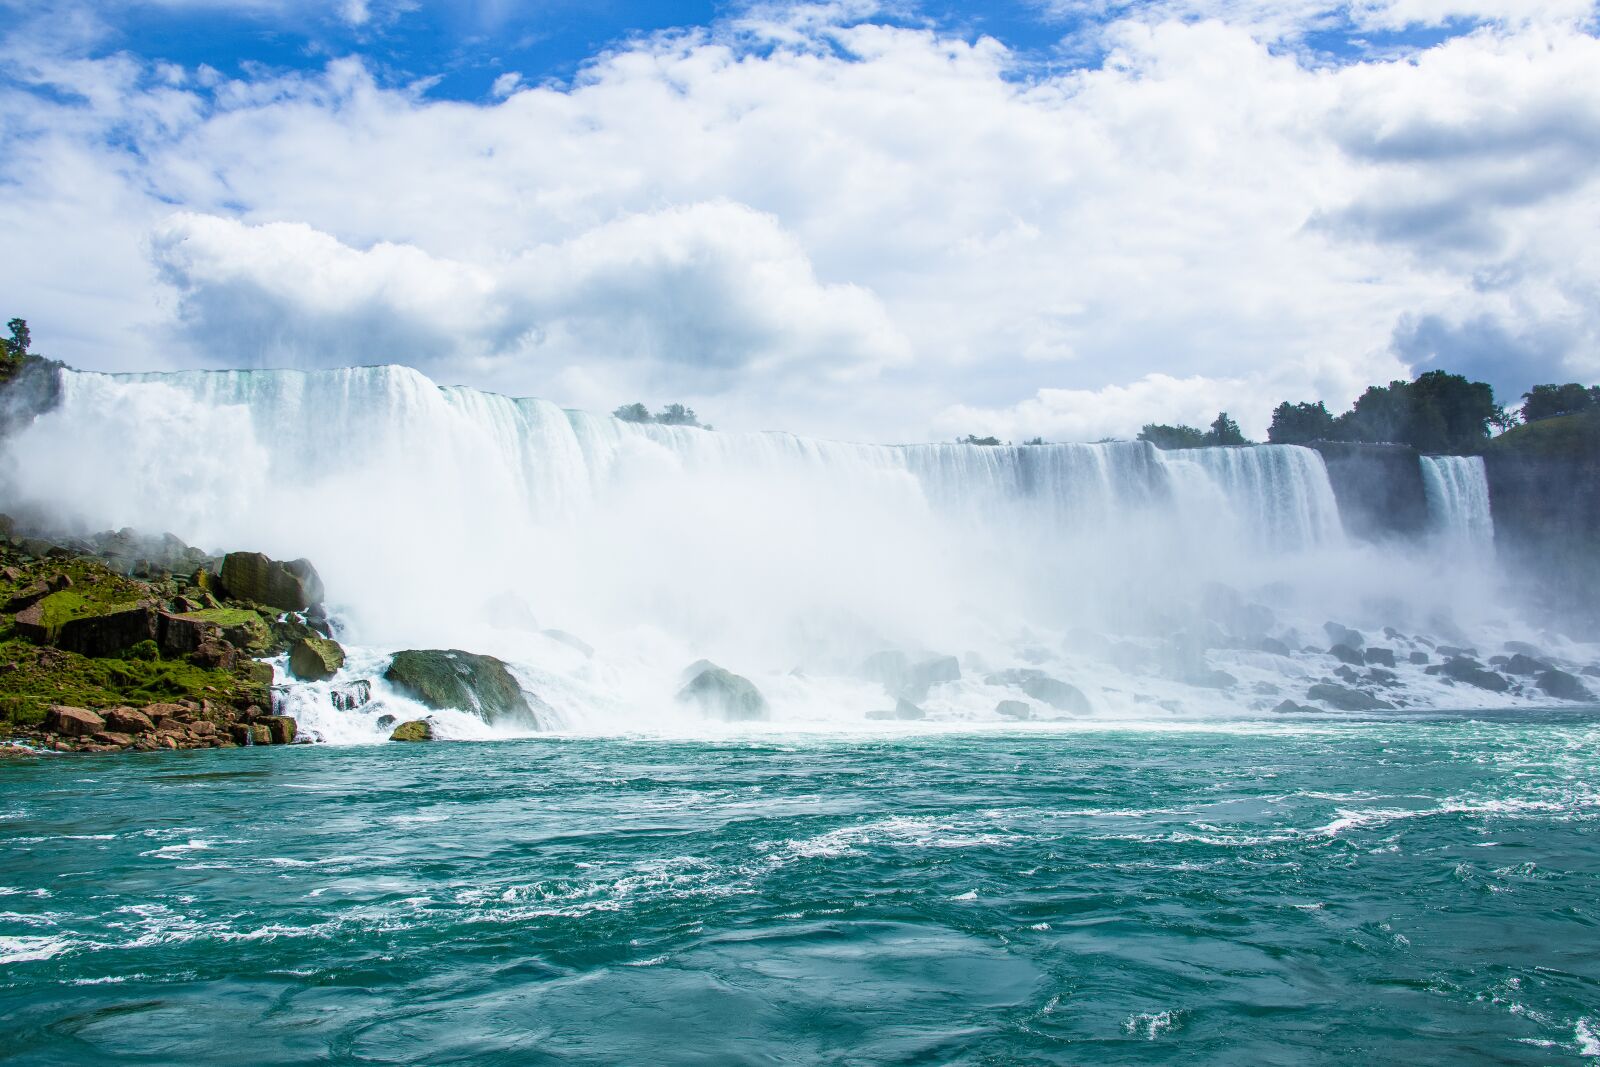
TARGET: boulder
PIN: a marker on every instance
(312, 659)
(72, 722)
(466, 681)
(1462, 669)
(351, 695)
(1343, 635)
(1274, 646)
(1016, 710)
(128, 721)
(903, 709)
(27, 596)
(725, 695)
(215, 655)
(1043, 688)
(281, 728)
(1346, 654)
(1419, 658)
(107, 634)
(1289, 707)
(1344, 699)
(1564, 686)
(181, 635)
(1524, 664)
(292, 586)
(413, 730)
(114, 739)
(1382, 657)
(1522, 648)
(160, 713)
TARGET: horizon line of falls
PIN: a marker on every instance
(446, 517)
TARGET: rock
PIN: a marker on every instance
(281, 728)
(1016, 710)
(1524, 664)
(180, 635)
(1383, 657)
(1522, 648)
(128, 721)
(1564, 686)
(28, 596)
(726, 695)
(1347, 674)
(1379, 676)
(1274, 646)
(215, 655)
(1207, 678)
(1590, 672)
(1346, 654)
(311, 659)
(107, 634)
(903, 709)
(1462, 669)
(570, 641)
(1337, 696)
(292, 586)
(903, 678)
(1343, 635)
(414, 730)
(160, 713)
(1452, 651)
(114, 739)
(1043, 688)
(1419, 658)
(72, 722)
(351, 695)
(451, 678)
(1289, 707)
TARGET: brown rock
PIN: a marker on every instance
(202, 728)
(145, 744)
(167, 741)
(159, 713)
(282, 727)
(111, 737)
(215, 655)
(240, 732)
(72, 722)
(179, 636)
(27, 596)
(30, 624)
(129, 721)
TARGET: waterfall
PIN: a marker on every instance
(453, 518)
(1457, 489)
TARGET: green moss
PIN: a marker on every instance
(226, 617)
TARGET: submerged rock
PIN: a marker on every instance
(413, 730)
(1564, 686)
(351, 695)
(291, 586)
(1345, 699)
(312, 659)
(465, 681)
(725, 695)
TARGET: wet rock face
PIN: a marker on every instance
(1045, 689)
(1345, 699)
(292, 586)
(1564, 686)
(414, 730)
(351, 695)
(905, 678)
(1470, 672)
(465, 681)
(722, 694)
(312, 659)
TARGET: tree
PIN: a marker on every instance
(1299, 424)
(1169, 437)
(972, 439)
(1551, 401)
(677, 415)
(1224, 431)
(1034, 441)
(17, 347)
(633, 413)
(1451, 414)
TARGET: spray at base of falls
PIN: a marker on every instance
(451, 518)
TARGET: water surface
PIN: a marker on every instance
(1423, 890)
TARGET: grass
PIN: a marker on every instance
(226, 617)
(1565, 435)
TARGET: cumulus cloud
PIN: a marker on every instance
(836, 224)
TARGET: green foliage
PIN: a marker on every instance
(226, 617)
(1034, 441)
(1553, 401)
(14, 350)
(37, 677)
(143, 650)
(671, 415)
(1438, 412)
(1558, 437)
(1224, 431)
(974, 439)
(1299, 424)
(1170, 437)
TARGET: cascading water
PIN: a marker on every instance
(1457, 488)
(448, 517)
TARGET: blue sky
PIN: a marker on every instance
(861, 219)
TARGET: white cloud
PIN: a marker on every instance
(505, 85)
(846, 227)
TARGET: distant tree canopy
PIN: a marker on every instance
(1549, 401)
(1224, 431)
(1438, 412)
(973, 439)
(671, 415)
(14, 349)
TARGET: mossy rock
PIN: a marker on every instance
(725, 695)
(464, 681)
(241, 627)
(414, 730)
(292, 586)
(312, 659)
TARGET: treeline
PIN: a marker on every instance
(14, 349)
(1435, 412)
(671, 415)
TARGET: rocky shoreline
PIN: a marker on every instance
(121, 642)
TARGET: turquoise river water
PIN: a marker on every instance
(1400, 891)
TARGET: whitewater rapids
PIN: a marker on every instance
(445, 517)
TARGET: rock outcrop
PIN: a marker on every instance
(464, 681)
(291, 586)
(413, 730)
(721, 694)
(314, 659)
